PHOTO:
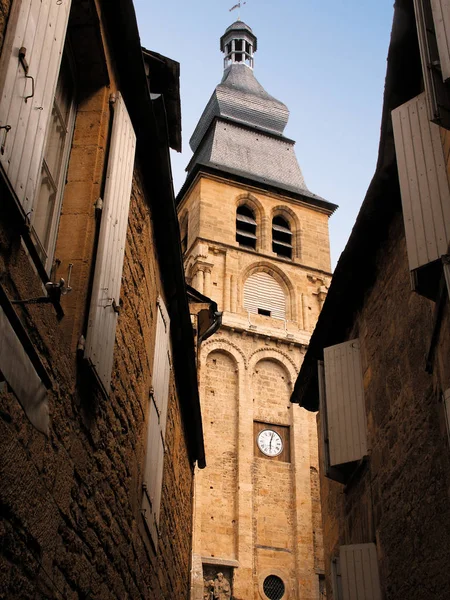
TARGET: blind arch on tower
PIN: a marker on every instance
(264, 295)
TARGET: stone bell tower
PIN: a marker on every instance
(255, 240)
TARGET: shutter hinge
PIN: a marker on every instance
(115, 306)
(112, 98)
(7, 129)
(98, 205)
(81, 344)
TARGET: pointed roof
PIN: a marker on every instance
(241, 128)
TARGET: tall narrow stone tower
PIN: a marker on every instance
(255, 240)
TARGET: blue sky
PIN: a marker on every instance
(325, 59)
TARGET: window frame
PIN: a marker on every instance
(47, 261)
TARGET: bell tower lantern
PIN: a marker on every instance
(238, 44)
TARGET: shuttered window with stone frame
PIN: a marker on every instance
(156, 431)
(342, 410)
(425, 192)
(355, 573)
(105, 300)
(433, 29)
(29, 67)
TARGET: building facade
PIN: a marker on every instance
(255, 240)
(100, 415)
(378, 362)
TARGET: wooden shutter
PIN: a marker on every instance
(39, 26)
(327, 469)
(436, 91)
(359, 572)
(346, 415)
(19, 372)
(424, 184)
(159, 399)
(441, 18)
(261, 290)
(103, 313)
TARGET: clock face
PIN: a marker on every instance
(269, 442)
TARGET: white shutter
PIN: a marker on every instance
(346, 415)
(424, 184)
(104, 307)
(327, 469)
(39, 26)
(436, 92)
(441, 18)
(159, 400)
(261, 290)
(22, 377)
(360, 578)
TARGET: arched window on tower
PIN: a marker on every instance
(263, 295)
(281, 237)
(245, 227)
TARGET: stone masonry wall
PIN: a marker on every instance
(72, 525)
(400, 500)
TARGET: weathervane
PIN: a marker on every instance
(238, 5)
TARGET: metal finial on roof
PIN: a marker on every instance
(238, 5)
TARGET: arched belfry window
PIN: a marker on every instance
(263, 295)
(281, 237)
(245, 227)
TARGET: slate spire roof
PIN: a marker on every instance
(241, 128)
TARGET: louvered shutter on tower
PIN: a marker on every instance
(103, 313)
(346, 414)
(39, 27)
(424, 184)
(360, 577)
(159, 399)
(262, 291)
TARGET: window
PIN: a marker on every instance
(342, 409)
(281, 237)
(264, 295)
(273, 587)
(238, 51)
(28, 79)
(45, 214)
(156, 432)
(245, 227)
